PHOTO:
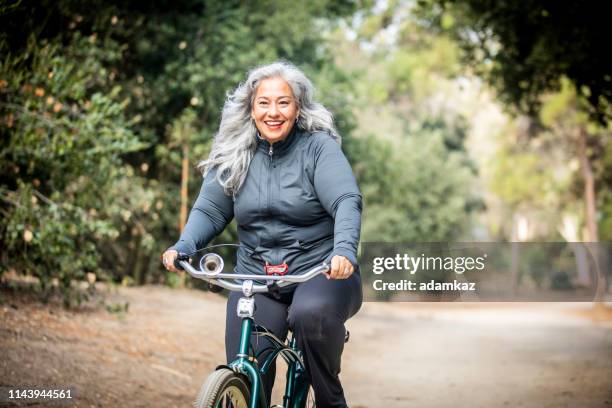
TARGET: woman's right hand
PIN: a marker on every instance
(168, 259)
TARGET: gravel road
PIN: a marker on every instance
(400, 354)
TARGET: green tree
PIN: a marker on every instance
(529, 50)
(584, 142)
(417, 191)
(417, 179)
(526, 48)
(60, 160)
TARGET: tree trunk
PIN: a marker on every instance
(569, 230)
(184, 185)
(589, 186)
(139, 277)
(591, 217)
(519, 234)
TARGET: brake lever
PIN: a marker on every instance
(214, 288)
(274, 290)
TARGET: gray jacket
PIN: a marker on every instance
(299, 204)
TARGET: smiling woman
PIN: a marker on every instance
(275, 110)
(277, 167)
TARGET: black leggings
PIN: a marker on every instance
(316, 311)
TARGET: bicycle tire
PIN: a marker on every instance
(224, 388)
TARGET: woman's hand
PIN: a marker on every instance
(168, 259)
(341, 268)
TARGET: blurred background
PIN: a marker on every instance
(463, 121)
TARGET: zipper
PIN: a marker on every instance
(269, 221)
(274, 251)
(270, 154)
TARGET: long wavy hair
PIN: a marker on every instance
(237, 138)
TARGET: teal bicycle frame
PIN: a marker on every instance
(297, 385)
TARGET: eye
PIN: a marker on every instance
(262, 103)
(284, 103)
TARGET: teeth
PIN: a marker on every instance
(273, 123)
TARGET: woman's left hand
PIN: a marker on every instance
(341, 268)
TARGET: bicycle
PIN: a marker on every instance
(239, 384)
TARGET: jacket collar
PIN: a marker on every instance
(280, 147)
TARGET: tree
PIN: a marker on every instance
(60, 161)
(526, 48)
(410, 160)
(414, 191)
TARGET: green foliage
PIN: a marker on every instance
(119, 309)
(544, 59)
(414, 172)
(522, 178)
(525, 48)
(419, 191)
(564, 115)
(605, 196)
(60, 159)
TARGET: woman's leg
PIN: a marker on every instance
(271, 314)
(317, 315)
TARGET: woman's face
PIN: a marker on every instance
(274, 109)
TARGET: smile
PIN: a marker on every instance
(274, 124)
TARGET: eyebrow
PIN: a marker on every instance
(280, 97)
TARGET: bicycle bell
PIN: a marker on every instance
(212, 264)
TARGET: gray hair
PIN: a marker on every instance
(236, 140)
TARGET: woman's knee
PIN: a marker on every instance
(315, 321)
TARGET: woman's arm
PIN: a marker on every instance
(339, 194)
(210, 214)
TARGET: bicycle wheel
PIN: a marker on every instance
(224, 389)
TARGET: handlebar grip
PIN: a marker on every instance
(181, 257)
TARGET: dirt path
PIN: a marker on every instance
(400, 355)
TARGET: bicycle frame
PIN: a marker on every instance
(296, 388)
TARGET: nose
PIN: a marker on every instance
(273, 111)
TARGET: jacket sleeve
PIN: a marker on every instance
(337, 190)
(211, 213)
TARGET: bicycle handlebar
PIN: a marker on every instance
(220, 279)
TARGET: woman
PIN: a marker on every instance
(277, 167)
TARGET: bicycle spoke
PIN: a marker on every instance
(232, 398)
